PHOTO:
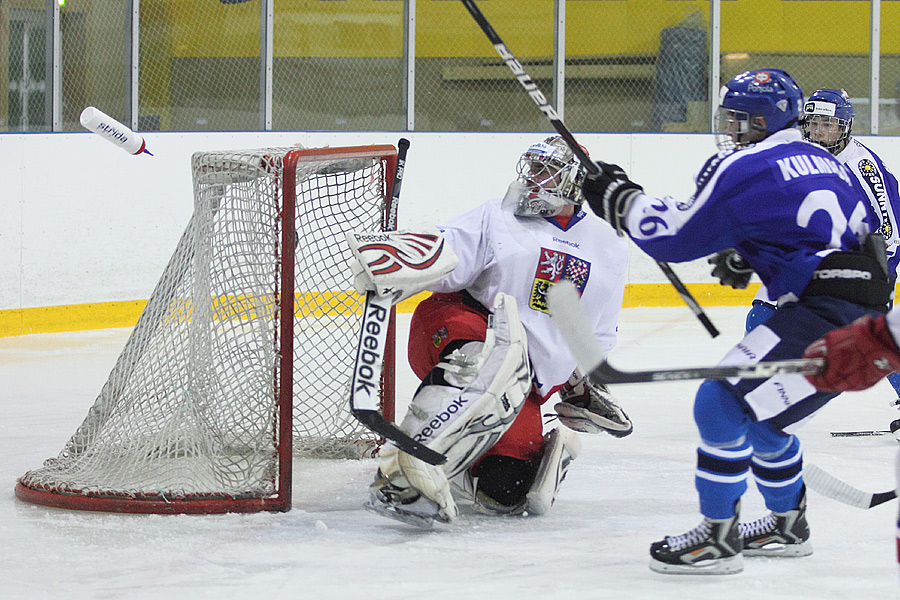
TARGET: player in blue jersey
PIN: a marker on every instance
(827, 120)
(791, 211)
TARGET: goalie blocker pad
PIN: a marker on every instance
(399, 264)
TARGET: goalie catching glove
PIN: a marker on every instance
(610, 194)
(856, 356)
(589, 408)
(399, 263)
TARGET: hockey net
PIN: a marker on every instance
(242, 357)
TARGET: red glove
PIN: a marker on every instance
(856, 356)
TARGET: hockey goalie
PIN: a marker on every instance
(484, 347)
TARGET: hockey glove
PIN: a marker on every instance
(590, 408)
(731, 269)
(856, 356)
(610, 193)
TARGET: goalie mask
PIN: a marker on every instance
(549, 178)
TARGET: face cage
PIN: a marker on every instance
(546, 186)
(834, 146)
(732, 128)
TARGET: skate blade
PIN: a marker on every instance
(715, 566)
(781, 550)
(398, 514)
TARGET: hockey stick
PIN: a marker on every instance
(542, 103)
(830, 486)
(569, 316)
(364, 384)
(863, 433)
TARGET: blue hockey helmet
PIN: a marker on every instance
(771, 94)
(827, 119)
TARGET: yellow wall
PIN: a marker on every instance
(368, 28)
(104, 315)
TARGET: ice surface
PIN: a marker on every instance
(620, 496)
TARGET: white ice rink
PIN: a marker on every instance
(620, 496)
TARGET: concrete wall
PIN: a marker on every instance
(84, 222)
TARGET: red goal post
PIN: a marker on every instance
(242, 358)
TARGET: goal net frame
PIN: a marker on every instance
(285, 170)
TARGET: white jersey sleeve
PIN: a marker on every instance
(524, 257)
(880, 187)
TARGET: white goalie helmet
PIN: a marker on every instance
(549, 177)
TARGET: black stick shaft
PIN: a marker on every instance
(370, 417)
(542, 103)
(606, 373)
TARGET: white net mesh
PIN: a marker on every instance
(190, 410)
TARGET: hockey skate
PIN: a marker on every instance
(711, 548)
(778, 534)
(589, 408)
(389, 498)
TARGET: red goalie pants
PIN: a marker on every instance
(443, 318)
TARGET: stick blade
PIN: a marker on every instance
(830, 486)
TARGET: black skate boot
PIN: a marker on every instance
(778, 534)
(712, 548)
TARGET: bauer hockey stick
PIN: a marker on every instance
(544, 105)
(830, 486)
(364, 384)
(569, 316)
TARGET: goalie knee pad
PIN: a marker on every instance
(464, 422)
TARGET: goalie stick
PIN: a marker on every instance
(830, 486)
(569, 316)
(364, 400)
(544, 105)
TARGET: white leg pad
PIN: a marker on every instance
(561, 447)
(464, 424)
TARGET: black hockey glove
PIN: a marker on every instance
(610, 193)
(731, 269)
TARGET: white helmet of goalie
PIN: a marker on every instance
(549, 178)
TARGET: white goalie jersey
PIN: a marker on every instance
(525, 257)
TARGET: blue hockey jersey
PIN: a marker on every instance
(783, 203)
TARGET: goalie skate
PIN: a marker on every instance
(402, 504)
